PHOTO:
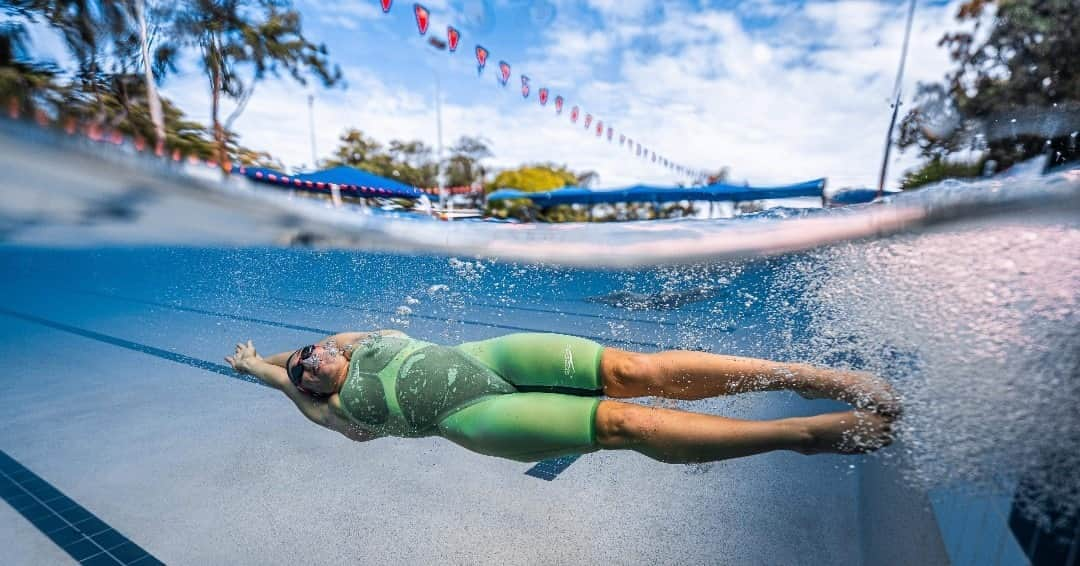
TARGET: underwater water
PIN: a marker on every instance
(964, 296)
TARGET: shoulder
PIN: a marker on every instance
(340, 422)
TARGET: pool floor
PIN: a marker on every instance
(118, 399)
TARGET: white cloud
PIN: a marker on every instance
(762, 101)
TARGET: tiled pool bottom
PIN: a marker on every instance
(77, 531)
(122, 403)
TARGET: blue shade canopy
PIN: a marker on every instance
(853, 196)
(645, 193)
(352, 182)
(345, 175)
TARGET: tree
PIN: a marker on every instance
(1013, 95)
(22, 79)
(464, 166)
(262, 36)
(409, 162)
(535, 178)
(138, 9)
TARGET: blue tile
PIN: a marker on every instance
(110, 538)
(20, 502)
(91, 526)
(128, 552)
(76, 514)
(46, 493)
(81, 548)
(61, 504)
(20, 475)
(66, 535)
(7, 463)
(147, 561)
(8, 488)
(34, 484)
(49, 523)
(100, 560)
(35, 511)
(548, 470)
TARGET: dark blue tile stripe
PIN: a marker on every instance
(550, 469)
(554, 469)
(210, 313)
(599, 339)
(78, 532)
(164, 354)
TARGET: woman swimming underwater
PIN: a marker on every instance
(529, 397)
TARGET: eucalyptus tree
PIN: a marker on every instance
(239, 43)
(1013, 94)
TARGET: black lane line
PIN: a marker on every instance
(78, 532)
(600, 339)
(143, 348)
(201, 364)
(347, 307)
(584, 314)
(206, 312)
(548, 470)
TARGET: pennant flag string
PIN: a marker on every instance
(453, 39)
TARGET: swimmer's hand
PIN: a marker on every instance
(245, 358)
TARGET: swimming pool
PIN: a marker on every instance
(128, 438)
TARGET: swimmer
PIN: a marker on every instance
(531, 396)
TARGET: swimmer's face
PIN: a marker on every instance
(320, 366)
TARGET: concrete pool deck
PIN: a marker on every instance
(195, 467)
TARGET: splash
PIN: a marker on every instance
(978, 328)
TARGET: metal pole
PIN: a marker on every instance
(897, 89)
(311, 128)
(439, 150)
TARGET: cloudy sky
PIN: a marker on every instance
(778, 91)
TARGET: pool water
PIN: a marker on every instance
(118, 399)
(127, 439)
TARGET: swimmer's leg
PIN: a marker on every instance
(679, 374)
(682, 437)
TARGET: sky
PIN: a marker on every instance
(779, 92)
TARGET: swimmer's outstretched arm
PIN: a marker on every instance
(247, 360)
(341, 338)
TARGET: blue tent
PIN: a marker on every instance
(645, 193)
(351, 181)
(345, 175)
(852, 196)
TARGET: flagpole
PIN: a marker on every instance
(311, 128)
(897, 89)
(439, 149)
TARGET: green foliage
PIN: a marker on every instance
(408, 162)
(534, 178)
(238, 37)
(464, 167)
(1010, 85)
(938, 169)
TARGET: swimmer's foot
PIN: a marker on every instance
(864, 391)
(850, 432)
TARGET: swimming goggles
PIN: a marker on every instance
(296, 372)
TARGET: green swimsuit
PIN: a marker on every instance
(526, 397)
